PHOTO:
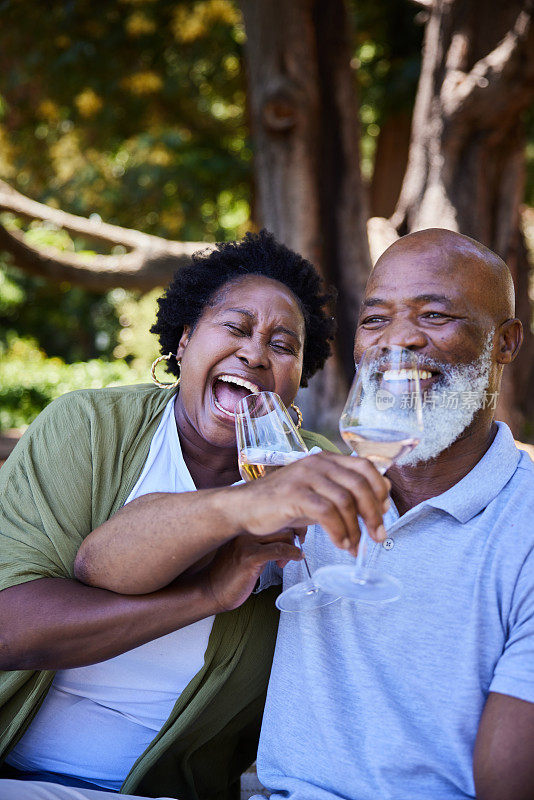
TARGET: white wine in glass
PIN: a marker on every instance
(381, 447)
(266, 441)
(254, 462)
(382, 421)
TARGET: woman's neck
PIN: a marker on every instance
(210, 466)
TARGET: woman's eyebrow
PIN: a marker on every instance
(243, 311)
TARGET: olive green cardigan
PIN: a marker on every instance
(71, 471)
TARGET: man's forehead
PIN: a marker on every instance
(431, 271)
(423, 286)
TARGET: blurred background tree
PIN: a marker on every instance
(146, 113)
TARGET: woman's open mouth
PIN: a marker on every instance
(228, 390)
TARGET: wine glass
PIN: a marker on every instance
(267, 440)
(382, 420)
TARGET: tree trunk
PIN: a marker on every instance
(391, 158)
(467, 155)
(308, 184)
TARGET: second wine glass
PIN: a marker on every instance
(267, 439)
(382, 420)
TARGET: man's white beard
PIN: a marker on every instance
(442, 422)
(443, 425)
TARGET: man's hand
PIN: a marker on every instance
(149, 542)
(328, 489)
(233, 573)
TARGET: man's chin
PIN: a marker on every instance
(429, 449)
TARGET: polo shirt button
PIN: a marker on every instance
(387, 544)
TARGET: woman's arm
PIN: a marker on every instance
(57, 623)
(155, 538)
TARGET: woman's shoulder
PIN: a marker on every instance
(312, 439)
(96, 415)
(101, 401)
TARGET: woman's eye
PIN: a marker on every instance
(282, 347)
(235, 329)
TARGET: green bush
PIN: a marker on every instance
(29, 380)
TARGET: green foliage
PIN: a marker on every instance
(134, 111)
(29, 380)
(142, 101)
(69, 322)
(387, 60)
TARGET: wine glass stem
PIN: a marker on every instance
(296, 542)
(362, 549)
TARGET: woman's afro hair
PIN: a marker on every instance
(195, 286)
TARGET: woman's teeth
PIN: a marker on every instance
(224, 411)
(405, 374)
(233, 380)
(240, 382)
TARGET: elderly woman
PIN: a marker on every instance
(155, 683)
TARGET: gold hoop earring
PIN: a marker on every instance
(298, 412)
(153, 372)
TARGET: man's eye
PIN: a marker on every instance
(372, 320)
(436, 315)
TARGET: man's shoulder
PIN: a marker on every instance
(523, 478)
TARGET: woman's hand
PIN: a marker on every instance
(329, 489)
(232, 575)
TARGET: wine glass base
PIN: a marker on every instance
(361, 585)
(304, 596)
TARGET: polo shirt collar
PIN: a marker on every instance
(482, 484)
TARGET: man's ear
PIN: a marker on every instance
(184, 341)
(510, 338)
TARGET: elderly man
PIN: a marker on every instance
(431, 697)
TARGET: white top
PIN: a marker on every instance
(97, 720)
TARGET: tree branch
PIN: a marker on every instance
(492, 87)
(151, 261)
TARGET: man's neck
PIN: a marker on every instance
(413, 485)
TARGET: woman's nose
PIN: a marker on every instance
(253, 353)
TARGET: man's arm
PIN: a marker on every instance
(153, 539)
(503, 762)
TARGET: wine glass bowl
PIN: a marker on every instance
(382, 421)
(267, 440)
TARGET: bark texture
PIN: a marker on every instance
(467, 154)
(304, 118)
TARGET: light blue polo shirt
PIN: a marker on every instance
(383, 702)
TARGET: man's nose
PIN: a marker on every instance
(404, 333)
